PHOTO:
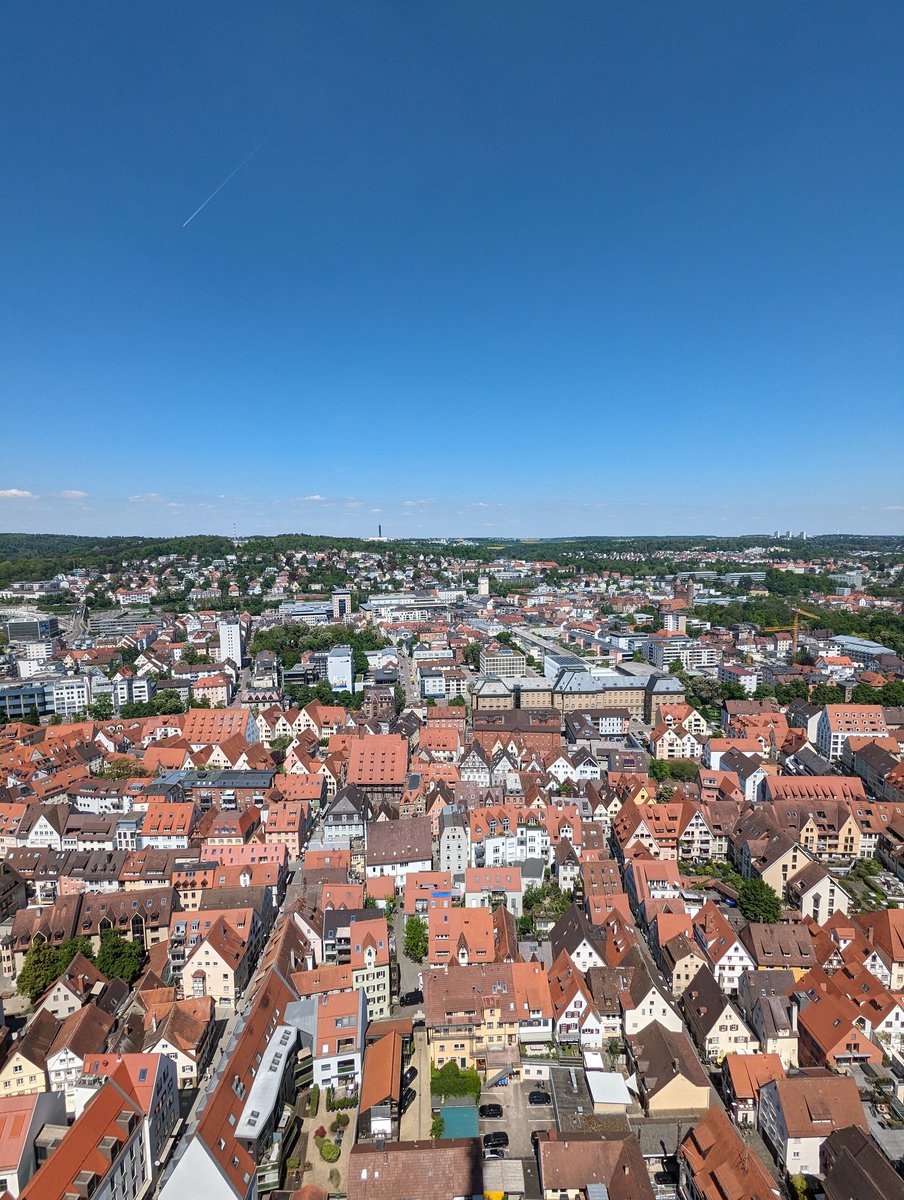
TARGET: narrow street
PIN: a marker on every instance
(417, 1120)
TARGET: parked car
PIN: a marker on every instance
(496, 1140)
(493, 1153)
(407, 1097)
(414, 997)
(491, 1112)
(539, 1097)
(409, 1076)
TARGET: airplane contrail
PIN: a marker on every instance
(231, 175)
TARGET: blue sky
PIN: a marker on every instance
(513, 267)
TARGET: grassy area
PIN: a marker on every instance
(863, 888)
(714, 869)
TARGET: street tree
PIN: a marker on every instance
(759, 902)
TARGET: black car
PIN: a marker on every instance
(539, 1098)
(408, 998)
(495, 1141)
(492, 1112)
(409, 1076)
(407, 1097)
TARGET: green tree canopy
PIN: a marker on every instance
(118, 958)
(416, 939)
(122, 768)
(101, 709)
(44, 964)
(658, 769)
(758, 902)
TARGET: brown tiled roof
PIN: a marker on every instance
(380, 759)
(436, 1170)
(111, 1112)
(83, 1032)
(400, 841)
(661, 1054)
(749, 1072)
(814, 1105)
(183, 1023)
(854, 1166)
(721, 1165)
(381, 1075)
(39, 1037)
(571, 1162)
(788, 946)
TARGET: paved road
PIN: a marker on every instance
(417, 1120)
(408, 970)
(408, 681)
(79, 621)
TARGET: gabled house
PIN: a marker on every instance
(797, 1115)
(765, 1000)
(84, 1032)
(347, 814)
(183, 1030)
(670, 1080)
(713, 1021)
(399, 848)
(218, 966)
(582, 941)
(816, 893)
(722, 948)
(830, 1033)
(25, 1069)
(339, 1045)
(575, 1014)
(715, 1164)
(641, 1000)
(681, 959)
(743, 1075)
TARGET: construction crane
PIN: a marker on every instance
(794, 627)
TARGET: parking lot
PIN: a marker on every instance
(519, 1119)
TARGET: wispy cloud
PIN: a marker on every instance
(416, 503)
(16, 494)
(315, 498)
(73, 494)
(146, 498)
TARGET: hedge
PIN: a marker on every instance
(329, 1151)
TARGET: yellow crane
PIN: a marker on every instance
(794, 627)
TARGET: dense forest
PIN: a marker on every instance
(41, 555)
